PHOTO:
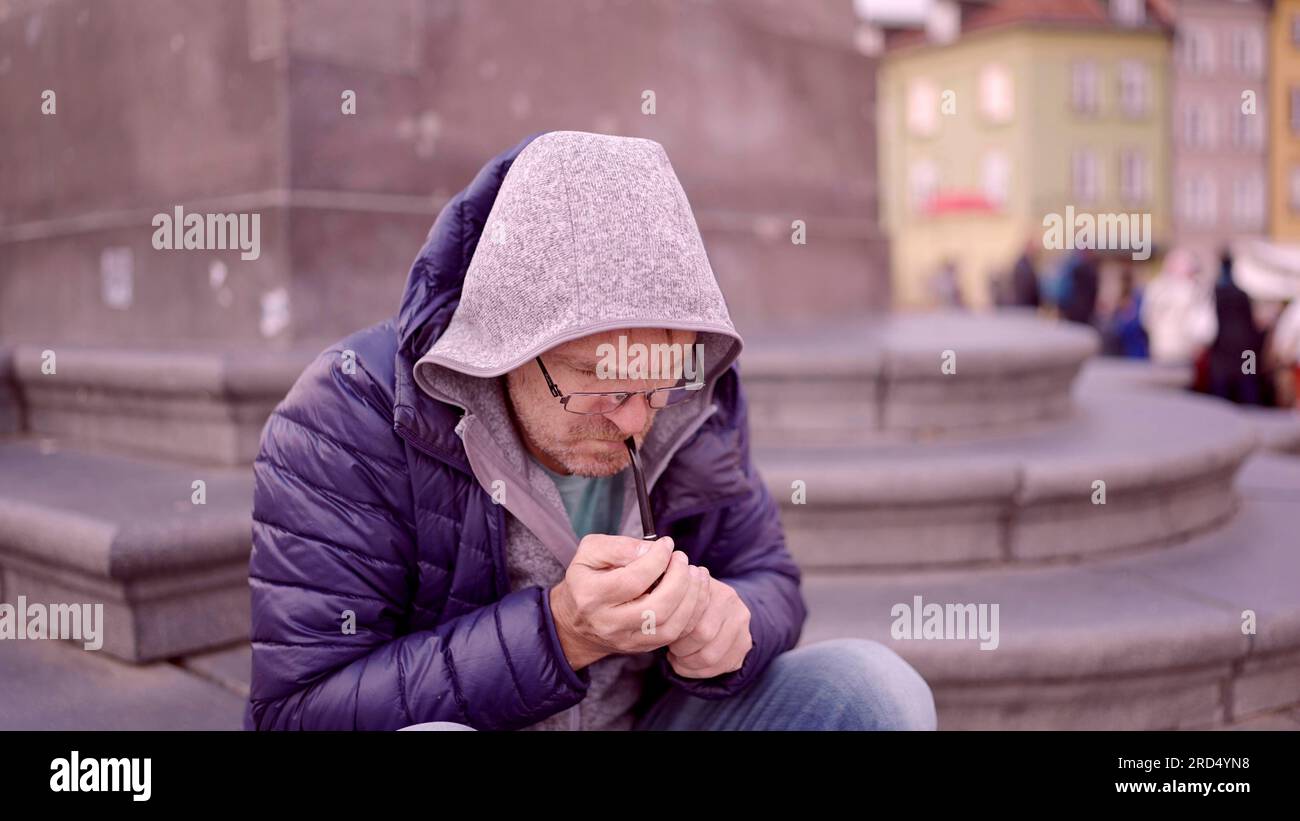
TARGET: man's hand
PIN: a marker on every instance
(602, 607)
(720, 640)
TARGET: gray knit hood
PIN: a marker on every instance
(588, 232)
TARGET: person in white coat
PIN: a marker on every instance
(1178, 311)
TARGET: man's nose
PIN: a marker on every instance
(632, 415)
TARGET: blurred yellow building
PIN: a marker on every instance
(1284, 136)
(1007, 113)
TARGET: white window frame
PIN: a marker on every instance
(1248, 206)
(1085, 176)
(922, 184)
(1134, 88)
(1199, 200)
(1085, 87)
(922, 107)
(997, 92)
(1196, 49)
(995, 177)
(1247, 50)
(1134, 177)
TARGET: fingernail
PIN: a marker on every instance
(641, 551)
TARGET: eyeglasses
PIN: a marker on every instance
(590, 403)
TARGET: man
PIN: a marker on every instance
(443, 531)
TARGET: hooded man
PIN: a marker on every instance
(443, 528)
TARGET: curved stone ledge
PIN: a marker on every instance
(77, 526)
(204, 406)
(1167, 464)
(882, 379)
(1146, 641)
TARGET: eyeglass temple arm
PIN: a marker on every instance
(549, 382)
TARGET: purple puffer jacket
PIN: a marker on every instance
(366, 507)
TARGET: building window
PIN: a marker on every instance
(1084, 87)
(997, 94)
(1134, 88)
(922, 183)
(1295, 29)
(1247, 52)
(995, 174)
(1199, 204)
(1085, 177)
(1293, 189)
(1128, 12)
(922, 108)
(1248, 201)
(1247, 129)
(1198, 126)
(1197, 49)
(1134, 177)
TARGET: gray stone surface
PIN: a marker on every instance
(1279, 428)
(881, 379)
(1167, 462)
(1150, 640)
(200, 406)
(52, 685)
(1274, 720)
(766, 109)
(230, 667)
(81, 526)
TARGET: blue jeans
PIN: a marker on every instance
(837, 684)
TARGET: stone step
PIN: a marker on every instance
(205, 406)
(79, 526)
(1167, 462)
(1147, 641)
(882, 379)
(1278, 428)
(58, 685)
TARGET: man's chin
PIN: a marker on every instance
(595, 459)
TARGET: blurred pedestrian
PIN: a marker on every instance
(1122, 334)
(1079, 302)
(1178, 311)
(945, 288)
(1024, 277)
(1284, 343)
(1229, 375)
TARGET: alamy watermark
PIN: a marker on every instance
(77, 774)
(658, 360)
(919, 620)
(208, 232)
(1105, 232)
(82, 622)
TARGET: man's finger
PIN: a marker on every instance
(703, 636)
(607, 552)
(623, 584)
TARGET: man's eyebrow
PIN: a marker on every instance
(575, 361)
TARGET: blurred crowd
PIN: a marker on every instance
(1236, 348)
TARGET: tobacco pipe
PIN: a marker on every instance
(643, 501)
(642, 496)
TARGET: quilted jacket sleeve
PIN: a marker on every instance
(750, 555)
(334, 542)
